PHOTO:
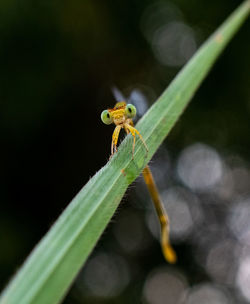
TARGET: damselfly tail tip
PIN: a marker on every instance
(170, 254)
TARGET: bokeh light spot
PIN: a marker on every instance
(239, 220)
(173, 44)
(243, 277)
(200, 167)
(221, 262)
(206, 294)
(164, 286)
(106, 275)
(156, 15)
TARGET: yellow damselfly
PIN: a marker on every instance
(121, 115)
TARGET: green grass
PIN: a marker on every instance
(51, 268)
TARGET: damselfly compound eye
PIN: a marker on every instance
(130, 110)
(106, 117)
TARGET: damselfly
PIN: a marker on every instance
(121, 115)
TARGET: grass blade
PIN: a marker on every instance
(50, 269)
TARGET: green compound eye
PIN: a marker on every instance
(130, 110)
(106, 117)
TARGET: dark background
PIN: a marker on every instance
(58, 61)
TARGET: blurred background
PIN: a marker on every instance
(58, 62)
